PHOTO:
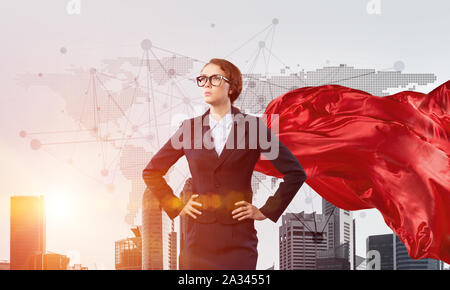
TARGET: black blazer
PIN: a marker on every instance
(222, 180)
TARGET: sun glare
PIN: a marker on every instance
(59, 204)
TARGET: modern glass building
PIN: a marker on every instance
(159, 241)
(340, 228)
(27, 230)
(334, 258)
(129, 252)
(387, 252)
(184, 195)
(50, 261)
(300, 241)
(383, 244)
(403, 261)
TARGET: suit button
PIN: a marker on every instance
(217, 184)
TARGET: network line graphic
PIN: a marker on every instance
(123, 111)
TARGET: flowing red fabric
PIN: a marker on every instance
(361, 151)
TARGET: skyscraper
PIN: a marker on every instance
(333, 258)
(50, 261)
(129, 252)
(300, 238)
(340, 228)
(152, 219)
(402, 260)
(380, 253)
(173, 248)
(184, 195)
(159, 247)
(387, 252)
(27, 232)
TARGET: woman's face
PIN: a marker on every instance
(215, 95)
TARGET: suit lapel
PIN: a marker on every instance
(226, 152)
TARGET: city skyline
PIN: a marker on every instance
(300, 233)
(94, 188)
(28, 238)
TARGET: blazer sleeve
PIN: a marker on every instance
(156, 169)
(294, 177)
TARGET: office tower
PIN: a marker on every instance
(129, 252)
(340, 228)
(173, 248)
(334, 258)
(387, 252)
(152, 219)
(402, 260)
(49, 261)
(184, 195)
(157, 241)
(301, 236)
(53, 261)
(27, 230)
(380, 253)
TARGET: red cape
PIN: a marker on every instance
(361, 151)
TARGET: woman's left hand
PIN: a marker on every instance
(247, 210)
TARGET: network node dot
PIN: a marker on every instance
(146, 44)
(35, 144)
(399, 65)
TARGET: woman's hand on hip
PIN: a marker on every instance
(247, 210)
(189, 208)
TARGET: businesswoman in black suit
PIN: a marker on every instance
(219, 213)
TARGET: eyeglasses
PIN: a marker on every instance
(214, 80)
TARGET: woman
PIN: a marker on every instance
(219, 214)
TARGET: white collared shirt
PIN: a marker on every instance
(220, 130)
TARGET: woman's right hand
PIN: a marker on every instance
(189, 209)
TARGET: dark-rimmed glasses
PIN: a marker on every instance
(214, 80)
